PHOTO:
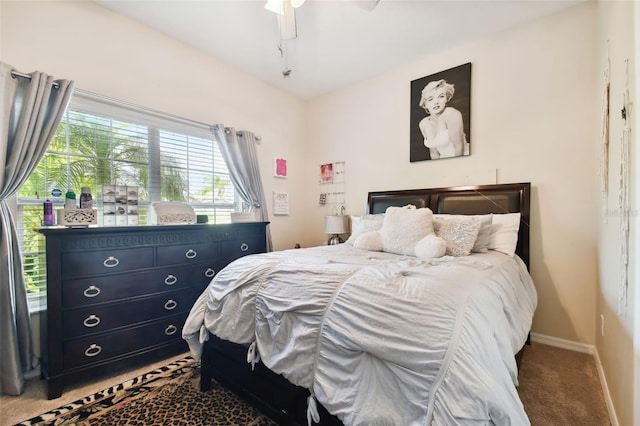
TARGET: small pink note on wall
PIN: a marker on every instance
(280, 167)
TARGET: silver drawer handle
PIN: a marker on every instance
(93, 350)
(209, 273)
(171, 304)
(170, 280)
(190, 254)
(170, 330)
(111, 262)
(91, 321)
(91, 291)
(244, 247)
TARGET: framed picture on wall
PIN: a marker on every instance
(440, 115)
(280, 167)
(326, 173)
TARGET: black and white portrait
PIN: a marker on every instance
(441, 115)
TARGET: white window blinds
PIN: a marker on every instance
(104, 141)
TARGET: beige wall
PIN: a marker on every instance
(635, 244)
(614, 341)
(534, 118)
(114, 56)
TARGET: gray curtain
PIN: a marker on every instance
(30, 112)
(239, 152)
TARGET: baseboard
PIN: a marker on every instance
(563, 343)
(584, 348)
(32, 374)
(605, 390)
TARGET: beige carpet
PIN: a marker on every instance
(557, 387)
(561, 387)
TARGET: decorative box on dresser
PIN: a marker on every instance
(118, 296)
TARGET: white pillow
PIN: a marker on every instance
(484, 235)
(504, 233)
(403, 227)
(481, 244)
(459, 233)
(362, 224)
(371, 241)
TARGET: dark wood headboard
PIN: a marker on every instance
(478, 199)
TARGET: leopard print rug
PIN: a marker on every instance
(169, 395)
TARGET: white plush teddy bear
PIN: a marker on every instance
(407, 231)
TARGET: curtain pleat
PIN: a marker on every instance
(30, 111)
(239, 152)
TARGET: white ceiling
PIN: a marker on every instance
(339, 42)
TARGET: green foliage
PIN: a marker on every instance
(92, 151)
(88, 150)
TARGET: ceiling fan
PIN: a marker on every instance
(285, 9)
(366, 4)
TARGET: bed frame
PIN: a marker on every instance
(286, 403)
(479, 199)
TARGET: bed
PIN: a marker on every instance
(351, 335)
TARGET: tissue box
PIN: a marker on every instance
(171, 213)
(243, 217)
(77, 217)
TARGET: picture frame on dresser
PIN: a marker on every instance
(117, 297)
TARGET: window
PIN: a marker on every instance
(102, 141)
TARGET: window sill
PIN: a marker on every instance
(37, 305)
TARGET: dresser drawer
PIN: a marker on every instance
(187, 253)
(119, 296)
(249, 244)
(101, 318)
(91, 291)
(75, 264)
(107, 345)
(203, 273)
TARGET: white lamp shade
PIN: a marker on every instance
(336, 224)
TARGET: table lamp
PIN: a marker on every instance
(335, 225)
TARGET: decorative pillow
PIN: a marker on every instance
(362, 224)
(484, 234)
(504, 234)
(460, 234)
(403, 227)
(371, 241)
(430, 247)
(482, 242)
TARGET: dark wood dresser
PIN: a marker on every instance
(118, 296)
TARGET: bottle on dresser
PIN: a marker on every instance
(86, 200)
(48, 218)
(70, 200)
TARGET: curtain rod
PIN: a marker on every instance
(146, 110)
(16, 74)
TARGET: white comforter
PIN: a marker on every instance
(377, 338)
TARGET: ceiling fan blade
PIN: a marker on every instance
(368, 5)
